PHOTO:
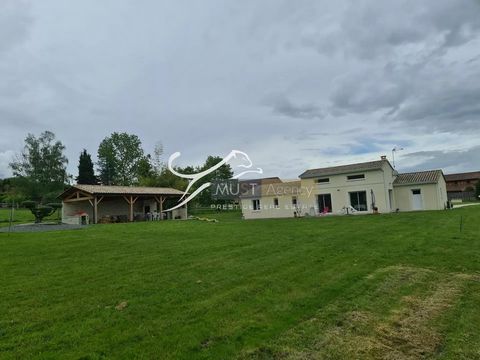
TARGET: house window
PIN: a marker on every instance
(358, 200)
(324, 180)
(356, 177)
(275, 202)
(416, 192)
(294, 200)
(325, 203)
(256, 204)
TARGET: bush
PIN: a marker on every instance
(41, 211)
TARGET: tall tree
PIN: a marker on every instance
(119, 158)
(107, 163)
(11, 192)
(145, 168)
(157, 163)
(86, 174)
(41, 167)
(224, 172)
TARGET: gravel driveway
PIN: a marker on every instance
(41, 227)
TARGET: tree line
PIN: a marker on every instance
(40, 170)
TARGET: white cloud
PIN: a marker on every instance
(350, 79)
(6, 157)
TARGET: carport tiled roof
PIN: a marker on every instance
(420, 177)
(343, 169)
(124, 190)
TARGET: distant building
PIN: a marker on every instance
(361, 188)
(253, 183)
(462, 185)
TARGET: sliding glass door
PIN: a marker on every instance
(325, 203)
(358, 200)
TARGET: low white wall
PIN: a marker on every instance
(267, 210)
(71, 209)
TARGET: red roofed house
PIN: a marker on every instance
(462, 185)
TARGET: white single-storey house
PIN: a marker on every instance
(363, 188)
(267, 200)
(101, 203)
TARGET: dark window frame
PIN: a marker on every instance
(358, 205)
(323, 180)
(356, 177)
(324, 202)
(256, 204)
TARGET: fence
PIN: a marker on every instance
(461, 195)
(5, 205)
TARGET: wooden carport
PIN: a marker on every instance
(95, 194)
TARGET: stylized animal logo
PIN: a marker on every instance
(193, 178)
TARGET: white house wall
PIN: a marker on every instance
(434, 196)
(267, 210)
(339, 188)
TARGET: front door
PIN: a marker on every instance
(325, 203)
(417, 203)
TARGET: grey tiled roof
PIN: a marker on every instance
(343, 169)
(420, 177)
(124, 190)
(273, 189)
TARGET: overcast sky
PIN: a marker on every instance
(295, 84)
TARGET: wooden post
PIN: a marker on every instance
(161, 207)
(95, 210)
(131, 208)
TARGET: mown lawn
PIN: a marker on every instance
(22, 216)
(399, 286)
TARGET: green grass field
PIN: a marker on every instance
(399, 286)
(22, 216)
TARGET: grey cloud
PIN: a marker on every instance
(371, 29)
(15, 22)
(371, 91)
(454, 110)
(450, 161)
(413, 82)
(195, 77)
(17, 119)
(5, 158)
(283, 106)
(441, 95)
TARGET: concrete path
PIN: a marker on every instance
(463, 205)
(40, 227)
